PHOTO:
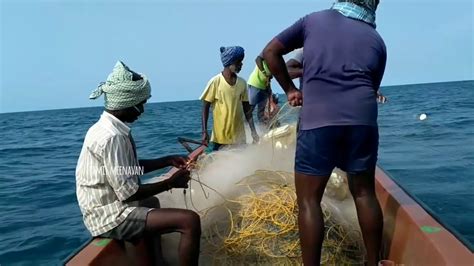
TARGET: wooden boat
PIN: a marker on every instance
(413, 235)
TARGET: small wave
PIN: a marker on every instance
(32, 149)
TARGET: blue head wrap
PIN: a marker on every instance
(232, 54)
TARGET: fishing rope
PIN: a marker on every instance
(261, 226)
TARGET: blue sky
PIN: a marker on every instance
(54, 53)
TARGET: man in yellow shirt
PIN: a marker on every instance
(227, 94)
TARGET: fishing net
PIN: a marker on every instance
(247, 202)
(261, 227)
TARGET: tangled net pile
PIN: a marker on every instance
(260, 227)
(255, 222)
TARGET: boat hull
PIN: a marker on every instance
(412, 236)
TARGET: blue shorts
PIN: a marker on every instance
(353, 149)
(258, 96)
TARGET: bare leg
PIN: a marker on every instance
(362, 187)
(261, 111)
(153, 242)
(309, 191)
(252, 108)
(185, 222)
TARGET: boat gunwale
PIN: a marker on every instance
(429, 211)
(77, 251)
(382, 179)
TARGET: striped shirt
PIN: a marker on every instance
(102, 182)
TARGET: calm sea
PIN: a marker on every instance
(41, 223)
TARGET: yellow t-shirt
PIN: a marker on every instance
(227, 111)
(257, 79)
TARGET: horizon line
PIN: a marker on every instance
(187, 100)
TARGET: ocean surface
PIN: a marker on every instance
(41, 223)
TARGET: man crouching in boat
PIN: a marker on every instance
(113, 202)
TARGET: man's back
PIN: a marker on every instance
(344, 60)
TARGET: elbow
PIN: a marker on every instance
(272, 50)
(258, 60)
(267, 53)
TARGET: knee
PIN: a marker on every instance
(308, 204)
(362, 193)
(362, 186)
(192, 223)
(155, 203)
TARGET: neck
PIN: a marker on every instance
(228, 74)
(117, 113)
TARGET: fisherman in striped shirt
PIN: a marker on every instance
(113, 202)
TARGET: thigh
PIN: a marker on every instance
(262, 101)
(253, 95)
(168, 220)
(262, 97)
(309, 188)
(362, 184)
(132, 228)
(360, 149)
(317, 150)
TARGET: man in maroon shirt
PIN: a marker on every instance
(344, 62)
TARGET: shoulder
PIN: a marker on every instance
(98, 133)
(318, 14)
(241, 82)
(255, 70)
(214, 81)
(376, 41)
(311, 19)
(380, 40)
(101, 136)
(215, 78)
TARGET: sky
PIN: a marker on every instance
(54, 53)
